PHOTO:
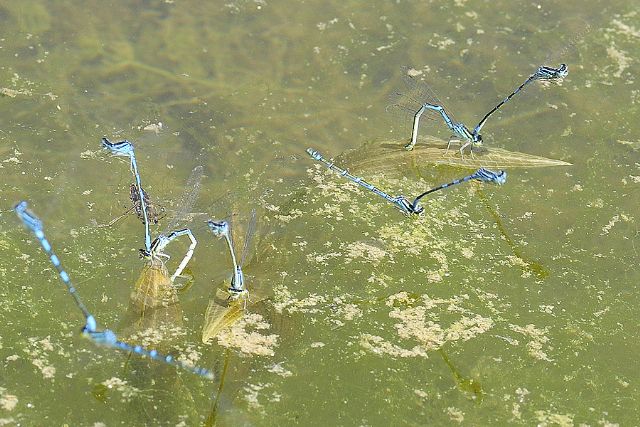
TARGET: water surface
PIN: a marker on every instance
(500, 305)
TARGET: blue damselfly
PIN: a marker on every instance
(125, 148)
(224, 229)
(229, 303)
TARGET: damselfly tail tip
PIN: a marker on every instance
(90, 324)
(409, 146)
(417, 210)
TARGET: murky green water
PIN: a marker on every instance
(510, 305)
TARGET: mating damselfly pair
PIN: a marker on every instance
(156, 249)
(154, 252)
(420, 99)
(401, 202)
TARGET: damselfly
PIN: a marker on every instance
(229, 303)
(223, 229)
(125, 148)
(420, 99)
(90, 330)
(401, 202)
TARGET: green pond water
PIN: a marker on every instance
(500, 305)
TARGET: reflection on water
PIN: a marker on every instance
(369, 318)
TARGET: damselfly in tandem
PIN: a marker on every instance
(104, 337)
(146, 210)
(419, 98)
(230, 301)
(401, 202)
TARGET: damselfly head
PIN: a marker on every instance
(28, 218)
(20, 207)
(122, 148)
(563, 71)
(501, 177)
(547, 73)
(219, 228)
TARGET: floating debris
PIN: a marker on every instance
(387, 156)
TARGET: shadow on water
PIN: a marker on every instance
(470, 386)
(529, 265)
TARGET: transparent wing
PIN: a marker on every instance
(153, 288)
(187, 200)
(251, 230)
(404, 104)
(222, 312)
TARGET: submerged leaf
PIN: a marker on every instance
(388, 156)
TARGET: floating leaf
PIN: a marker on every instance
(389, 155)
